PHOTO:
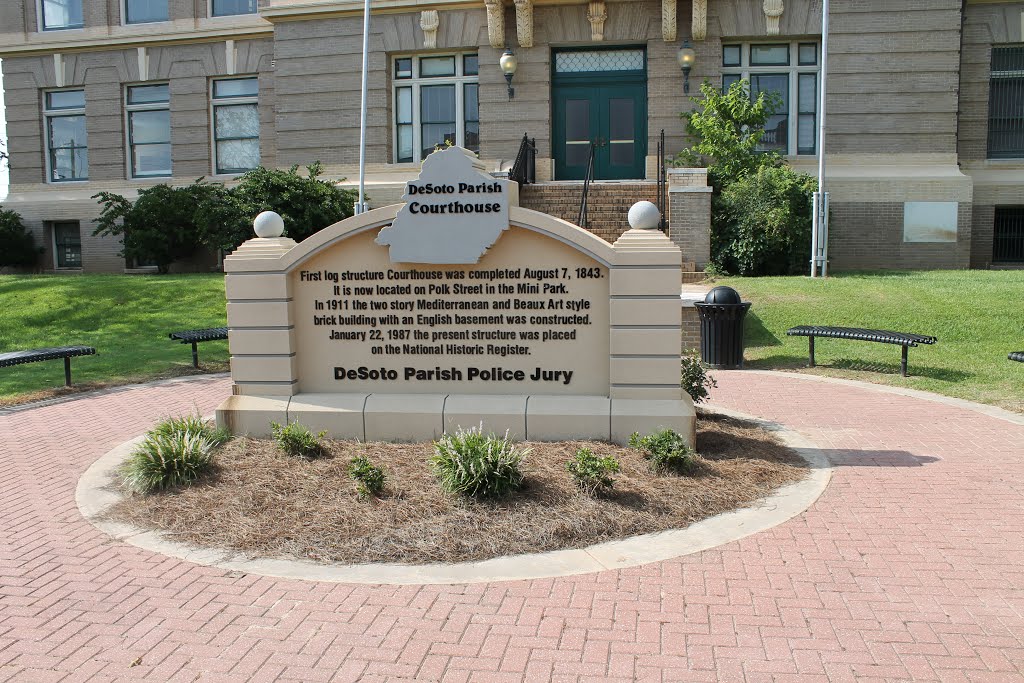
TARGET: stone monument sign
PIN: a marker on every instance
(457, 308)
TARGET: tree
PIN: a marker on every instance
(167, 223)
(17, 247)
(727, 128)
(760, 209)
(160, 226)
(306, 203)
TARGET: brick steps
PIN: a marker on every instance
(607, 206)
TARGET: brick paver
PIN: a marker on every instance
(909, 567)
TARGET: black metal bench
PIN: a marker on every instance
(193, 337)
(904, 339)
(1017, 356)
(35, 355)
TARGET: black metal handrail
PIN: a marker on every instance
(662, 182)
(524, 169)
(582, 222)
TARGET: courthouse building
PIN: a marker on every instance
(925, 107)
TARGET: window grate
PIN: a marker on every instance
(1008, 235)
(599, 60)
(1006, 103)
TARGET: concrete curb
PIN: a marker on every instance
(95, 494)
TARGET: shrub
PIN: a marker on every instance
(296, 439)
(160, 226)
(470, 463)
(370, 478)
(306, 203)
(17, 247)
(762, 223)
(174, 453)
(695, 379)
(665, 451)
(592, 473)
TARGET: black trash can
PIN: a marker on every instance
(721, 328)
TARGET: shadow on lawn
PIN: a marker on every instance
(755, 334)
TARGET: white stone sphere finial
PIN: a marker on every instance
(644, 216)
(268, 224)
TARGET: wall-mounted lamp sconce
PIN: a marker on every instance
(508, 64)
(686, 58)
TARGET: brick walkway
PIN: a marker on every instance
(910, 566)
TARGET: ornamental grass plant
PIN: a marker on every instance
(476, 465)
(176, 452)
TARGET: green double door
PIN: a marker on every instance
(613, 116)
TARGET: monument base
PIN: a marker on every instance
(425, 417)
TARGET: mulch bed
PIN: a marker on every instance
(261, 503)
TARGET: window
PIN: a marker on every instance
(236, 125)
(1006, 103)
(61, 14)
(149, 130)
(224, 8)
(67, 156)
(435, 101)
(791, 71)
(67, 245)
(144, 11)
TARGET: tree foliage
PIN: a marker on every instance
(167, 223)
(17, 247)
(160, 226)
(760, 209)
(763, 222)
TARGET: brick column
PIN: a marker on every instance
(689, 216)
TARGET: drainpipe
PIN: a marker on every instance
(820, 219)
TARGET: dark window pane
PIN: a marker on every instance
(807, 120)
(1006, 103)
(68, 239)
(69, 156)
(147, 94)
(65, 99)
(437, 66)
(437, 103)
(731, 55)
(577, 120)
(436, 135)
(808, 54)
(769, 55)
(728, 80)
(776, 131)
(236, 87)
(621, 153)
(58, 14)
(577, 154)
(473, 136)
(403, 67)
(223, 8)
(470, 65)
(470, 101)
(142, 11)
(620, 119)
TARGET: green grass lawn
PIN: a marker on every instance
(126, 317)
(978, 317)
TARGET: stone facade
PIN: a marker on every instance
(907, 101)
